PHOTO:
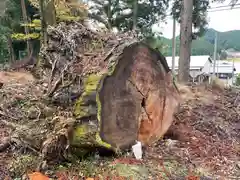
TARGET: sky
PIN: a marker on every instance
(220, 21)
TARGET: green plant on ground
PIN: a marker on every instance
(238, 80)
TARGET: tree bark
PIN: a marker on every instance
(43, 22)
(25, 19)
(10, 49)
(135, 11)
(109, 14)
(185, 40)
(134, 101)
(50, 13)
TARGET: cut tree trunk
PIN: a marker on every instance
(134, 100)
(128, 96)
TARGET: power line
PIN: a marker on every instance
(224, 9)
(218, 9)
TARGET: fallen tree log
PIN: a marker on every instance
(126, 92)
(134, 100)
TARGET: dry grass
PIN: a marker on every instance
(234, 59)
(185, 92)
(218, 84)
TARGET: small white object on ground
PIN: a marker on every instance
(137, 150)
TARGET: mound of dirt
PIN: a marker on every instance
(205, 134)
(17, 77)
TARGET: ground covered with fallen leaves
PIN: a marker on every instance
(204, 140)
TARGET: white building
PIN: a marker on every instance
(199, 66)
(224, 70)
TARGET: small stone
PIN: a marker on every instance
(33, 113)
(238, 165)
(24, 177)
(171, 143)
(45, 85)
(48, 112)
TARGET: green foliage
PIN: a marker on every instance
(9, 22)
(119, 13)
(11, 25)
(24, 37)
(199, 14)
(226, 40)
(238, 80)
(35, 25)
(11, 16)
(158, 43)
(70, 10)
(205, 44)
(3, 39)
(66, 17)
(202, 47)
(149, 12)
(66, 10)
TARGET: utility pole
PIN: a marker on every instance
(215, 54)
(185, 40)
(173, 47)
(233, 67)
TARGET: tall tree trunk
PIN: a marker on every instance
(43, 23)
(50, 13)
(10, 50)
(109, 14)
(135, 11)
(25, 19)
(185, 40)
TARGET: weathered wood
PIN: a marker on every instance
(134, 100)
(128, 95)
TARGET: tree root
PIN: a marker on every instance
(5, 144)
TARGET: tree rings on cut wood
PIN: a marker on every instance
(135, 100)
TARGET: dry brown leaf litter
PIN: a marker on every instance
(206, 133)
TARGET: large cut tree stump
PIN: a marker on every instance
(134, 100)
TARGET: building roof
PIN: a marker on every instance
(196, 62)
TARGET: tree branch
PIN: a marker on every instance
(98, 18)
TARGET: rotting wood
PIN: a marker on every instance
(128, 93)
(137, 76)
